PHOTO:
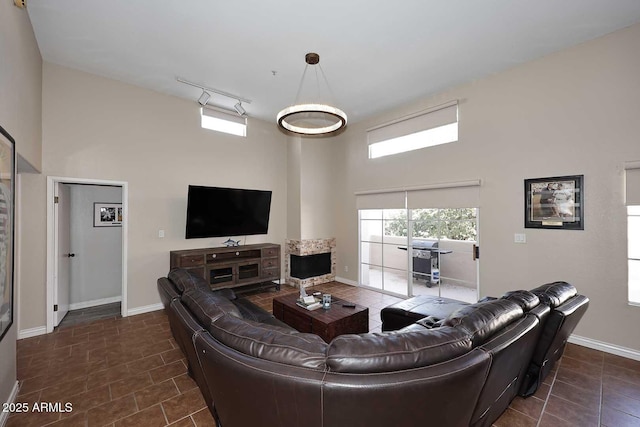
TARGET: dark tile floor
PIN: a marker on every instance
(120, 372)
(85, 315)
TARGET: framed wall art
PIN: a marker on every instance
(7, 192)
(107, 214)
(555, 202)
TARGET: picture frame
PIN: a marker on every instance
(107, 214)
(554, 203)
(7, 212)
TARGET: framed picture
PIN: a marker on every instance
(107, 214)
(556, 202)
(7, 191)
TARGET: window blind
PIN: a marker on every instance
(432, 118)
(450, 195)
(632, 183)
(461, 194)
(381, 200)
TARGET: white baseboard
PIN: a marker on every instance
(629, 353)
(4, 416)
(145, 309)
(32, 332)
(95, 302)
(346, 281)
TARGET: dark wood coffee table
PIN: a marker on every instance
(327, 324)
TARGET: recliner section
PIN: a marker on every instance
(566, 309)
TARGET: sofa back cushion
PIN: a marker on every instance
(410, 347)
(483, 319)
(270, 342)
(525, 299)
(167, 291)
(208, 306)
(556, 293)
(185, 281)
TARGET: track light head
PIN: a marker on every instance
(204, 98)
(240, 109)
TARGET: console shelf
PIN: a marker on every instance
(234, 267)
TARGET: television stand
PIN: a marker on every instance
(249, 266)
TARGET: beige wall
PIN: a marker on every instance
(310, 188)
(21, 83)
(316, 188)
(102, 129)
(20, 115)
(573, 112)
(294, 150)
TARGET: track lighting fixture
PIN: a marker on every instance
(240, 109)
(206, 95)
(204, 98)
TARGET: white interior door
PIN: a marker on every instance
(63, 252)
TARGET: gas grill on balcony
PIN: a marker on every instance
(426, 260)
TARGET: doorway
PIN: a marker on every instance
(80, 247)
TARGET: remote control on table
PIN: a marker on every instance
(349, 305)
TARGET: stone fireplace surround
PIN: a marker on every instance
(309, 247)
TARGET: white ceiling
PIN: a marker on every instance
(375, 54)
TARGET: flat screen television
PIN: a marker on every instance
(225, 212)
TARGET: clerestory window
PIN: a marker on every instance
(436, 126)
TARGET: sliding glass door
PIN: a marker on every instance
(421, 241)
(420, 251)
(443, 262)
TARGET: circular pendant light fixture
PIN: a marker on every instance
(312, 119)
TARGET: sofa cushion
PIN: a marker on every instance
(227, 293)
(269, 342)
(555, 293)
(525, 299)
(207, 306)
(482, 320)
(393, 351)
(404, 313)
(250, 311)
(185, 281)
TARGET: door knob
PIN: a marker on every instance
(71, 255)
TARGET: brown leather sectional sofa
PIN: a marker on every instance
(461, 370)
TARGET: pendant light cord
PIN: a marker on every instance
(304, 73)
(318, 92)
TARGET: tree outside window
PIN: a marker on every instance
(450, 224)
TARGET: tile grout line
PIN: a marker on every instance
(544, 407)
(601, 392)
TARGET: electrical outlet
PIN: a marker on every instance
(346, 268)
(161, 233)
(519, 238)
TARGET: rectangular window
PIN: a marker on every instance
(438, 125)
(632, 200)
(223, 121)
(633, 253)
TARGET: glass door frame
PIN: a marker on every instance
(382, 288)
